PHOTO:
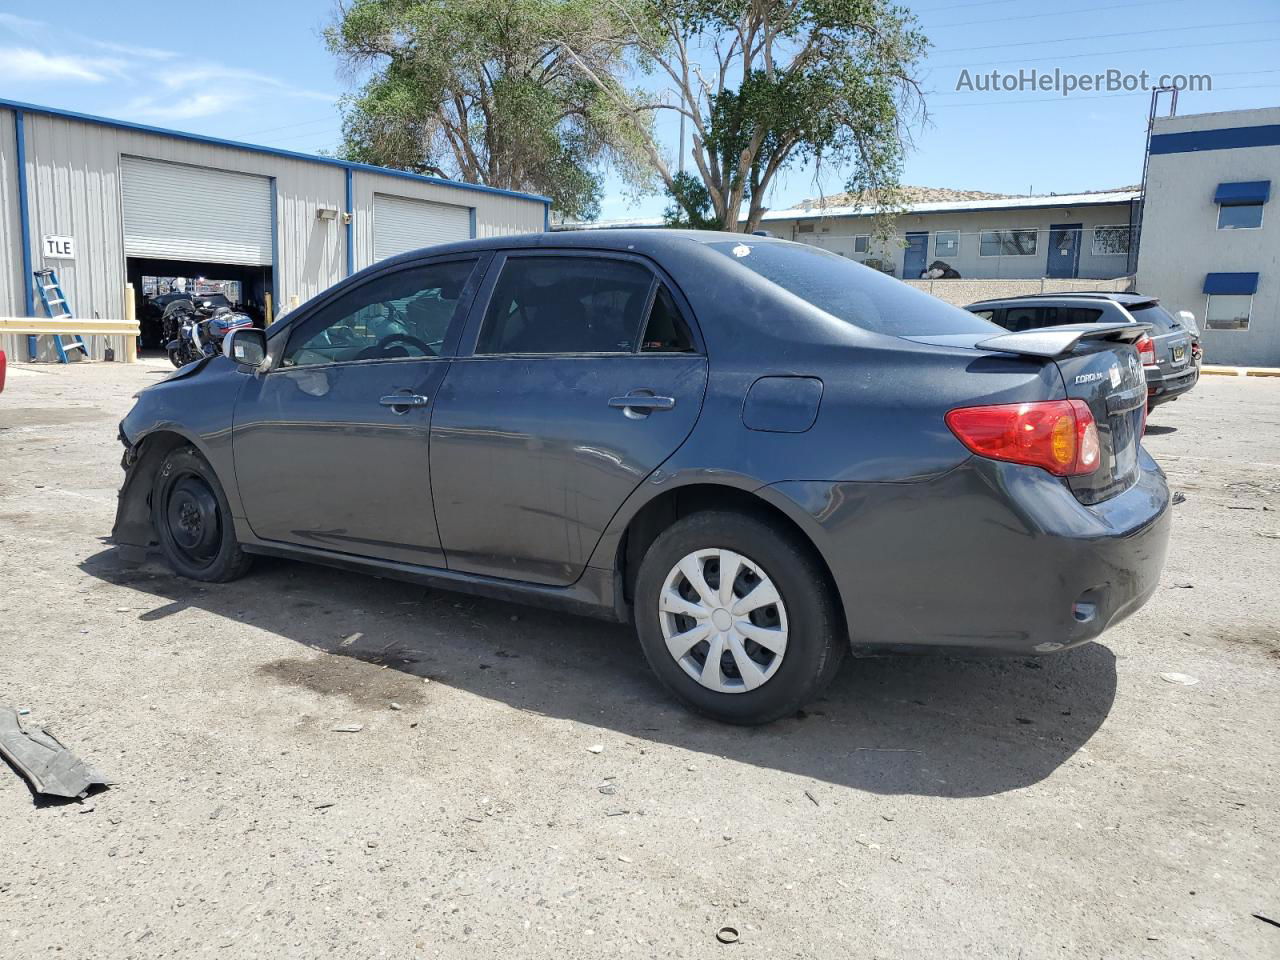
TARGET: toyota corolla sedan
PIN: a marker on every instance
(756, 451)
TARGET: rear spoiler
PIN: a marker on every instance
(1050, 342)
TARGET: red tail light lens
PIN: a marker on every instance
(1058, 435)
(1146, 351)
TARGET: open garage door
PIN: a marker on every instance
(177, 212)
(400, 224)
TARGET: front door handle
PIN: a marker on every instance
(642, 401)
(401, 402)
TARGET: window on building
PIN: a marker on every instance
(1008, 243)
(861, 243)
(1111, 240)
(1228, 311)
(946, 243)
(804, 228)
(566, 305)
(1240, 204)
(1240, 217)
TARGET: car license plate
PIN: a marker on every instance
(1179, 353)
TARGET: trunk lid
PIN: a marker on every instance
(1099, 365)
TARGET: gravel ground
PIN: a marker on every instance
(1075, 806)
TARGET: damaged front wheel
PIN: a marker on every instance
(192, 520)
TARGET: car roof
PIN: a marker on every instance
(1124, 299)
(645, 240)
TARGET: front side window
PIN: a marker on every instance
(1228, 311)
(544, 305)
(946, 243)
(1008, 243)
(1241, 217)
(401, 315)
(1111, 240)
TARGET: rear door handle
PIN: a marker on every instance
(401, 402)
(642, 401)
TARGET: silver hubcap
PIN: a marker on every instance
(723, 620)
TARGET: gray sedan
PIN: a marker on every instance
(756, 451)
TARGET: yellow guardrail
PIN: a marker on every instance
(44, 327)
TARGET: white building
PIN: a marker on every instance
(1062, 237)
(1210, 239)
(127, 201)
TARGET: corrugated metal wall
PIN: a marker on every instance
(73, 181)
(11, 304)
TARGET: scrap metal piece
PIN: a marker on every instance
(47, 765)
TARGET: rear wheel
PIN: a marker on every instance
(193, 521)
(736, 617)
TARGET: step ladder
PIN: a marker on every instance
(56, 306)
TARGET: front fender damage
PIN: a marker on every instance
(134, 533)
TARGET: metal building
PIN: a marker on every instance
(126, 201)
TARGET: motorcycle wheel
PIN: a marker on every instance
(175, 357)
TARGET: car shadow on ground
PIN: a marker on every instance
(922, 725)
(1156, 430)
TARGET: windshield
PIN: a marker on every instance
(850, 291)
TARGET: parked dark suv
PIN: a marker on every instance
(1169, 357)
(755, 450)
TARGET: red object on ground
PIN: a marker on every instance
(3, 361)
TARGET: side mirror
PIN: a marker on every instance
(246, 347)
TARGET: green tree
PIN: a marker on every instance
(478, 90)
(768, 84)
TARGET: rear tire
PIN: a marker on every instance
(192, 520)
(774, 656)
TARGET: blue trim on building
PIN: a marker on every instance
(275, 250)
(473, 223)
(24, 224)
(1239, 284)
(1242, 194)
(350, 228)
(1227, 138)
(18, 105)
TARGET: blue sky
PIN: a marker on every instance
(258, 71)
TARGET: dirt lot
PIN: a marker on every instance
(1076, 806)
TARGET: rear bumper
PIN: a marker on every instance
(990, 556)
(1161, 388)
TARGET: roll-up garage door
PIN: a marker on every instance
(400, 224)
(176, 212)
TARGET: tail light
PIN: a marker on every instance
(1146, 350)
(1058, 435)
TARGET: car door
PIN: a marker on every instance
(578, 376)
(331, 445)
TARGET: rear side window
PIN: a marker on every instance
(566, 305)
(666, 331)
(849, 291)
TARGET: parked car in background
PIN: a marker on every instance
(1169, 355)
(755, 450)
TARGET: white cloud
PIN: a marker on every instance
(22, 26)
(145, 53)
(187, 108)
(23, 63)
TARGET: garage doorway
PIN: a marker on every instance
(401, 224)
(157, 282)
(191, 229)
